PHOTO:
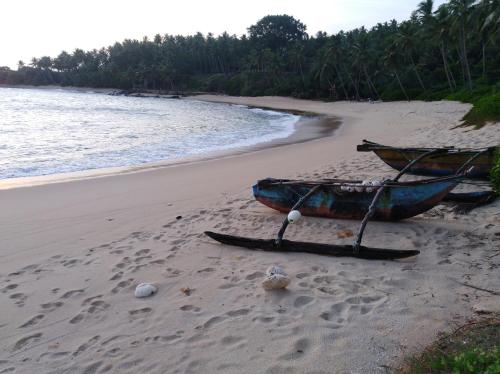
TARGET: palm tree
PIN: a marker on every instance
(424, 11)
(391, 60)
(405, 40)
(441, 29)
(460, 10)
(297, 59)
(487, 22)
(330, 60)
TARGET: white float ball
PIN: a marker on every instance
(145, 290)
(294, 216)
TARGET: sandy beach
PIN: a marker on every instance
(73, 252)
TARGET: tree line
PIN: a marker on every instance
(435, 52)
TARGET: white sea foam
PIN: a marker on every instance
(55, 131)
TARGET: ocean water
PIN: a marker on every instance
(47, 131)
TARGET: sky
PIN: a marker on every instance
(30, 28)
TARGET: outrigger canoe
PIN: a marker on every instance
(348, 199)
(443, 163)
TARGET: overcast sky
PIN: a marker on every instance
(34, 27)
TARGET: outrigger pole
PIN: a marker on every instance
(371, 209)
(356, 249)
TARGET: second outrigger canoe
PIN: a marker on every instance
(349, 199)
(445, 162)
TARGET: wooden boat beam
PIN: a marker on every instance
(371, 209)
(297, 205)
(469, 161)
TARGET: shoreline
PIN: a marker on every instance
(310, 126)
(72, 254)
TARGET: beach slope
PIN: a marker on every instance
(73, 252)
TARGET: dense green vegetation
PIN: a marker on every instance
(486, 108)
(438, 53)
(469, 351)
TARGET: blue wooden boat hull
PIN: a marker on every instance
(445, 163)
(399, 201)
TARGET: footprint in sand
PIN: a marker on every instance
(231, 340)
(177, 242)
(302, 301)
(50, 307)
(211, 322)
(238, 312)
(329, 290)
(53, 356)
(328, 279)
(337, 312)
(364, 304)
(117, 276)
(136, 268)
(172, 273)
(142, 258)
(142, 252)
(206, 270)
(90, 299)
(97, 306)
(9, 287)
(227, 286)
(190, 308)
(71, 263)
(158, 262)
(23, 342)
(77, 319)
(121, 285)
(255, 275)
(165, 338)
(123, 263)
(140, 235)
(19, 298)
(113, 352)
(299, 349)
(32, 321)
(16, 273)
(71, 294)
(83, 347)
(139, 313)
(263, 319)
(302, 275)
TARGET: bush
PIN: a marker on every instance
(469, 362)
(474, 348)
(392, 94)
(486, 109)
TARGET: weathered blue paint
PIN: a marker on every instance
(399, 201)
(438, 165)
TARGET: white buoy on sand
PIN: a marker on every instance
(145, 290)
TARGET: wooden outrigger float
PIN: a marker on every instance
(445, 162)
(440, 188)
(354, 250)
